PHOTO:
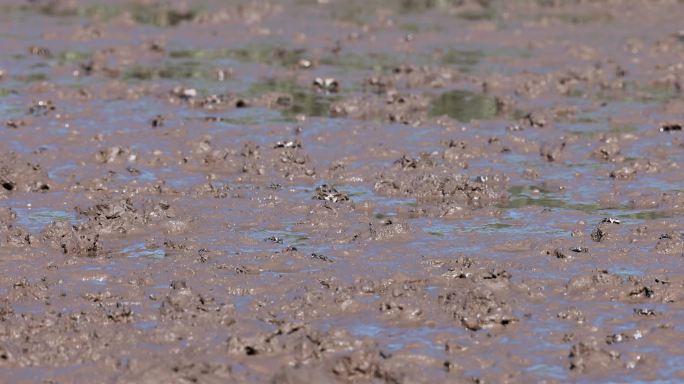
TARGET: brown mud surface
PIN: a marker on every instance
(410, 191)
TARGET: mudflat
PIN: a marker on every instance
(412, 191)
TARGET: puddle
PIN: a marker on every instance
(396, 339)
(544, 370)
(266, 240)
(240, 117)
(242, 302)
(520, 198)
(360, 193)
(140, 250)
(97, 280)
(147, 325)
(35, 219)
(627, 272)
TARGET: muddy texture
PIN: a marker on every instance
(341, 191)
(19, 174)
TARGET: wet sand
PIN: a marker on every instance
(415, 191)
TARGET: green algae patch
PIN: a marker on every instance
(257, 53)
(303, 101)
(465, 106)
(462, 58)
(362, 61)
(174, 71)
(148, 14)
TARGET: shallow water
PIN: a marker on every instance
(336, 191)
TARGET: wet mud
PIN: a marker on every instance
(341, 191)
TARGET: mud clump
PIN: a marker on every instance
(329, 193)
(440, 194)
(18, 174)
(41, 107)
(113, 154)
(393, 107)
(185, 305)
(10, 232)
(629, 289)
(552, 152)
(366, 365)
(72, 240)
(118, 217)
(122, 216)
(387, 229)
(588, 356)
(605, 230)
(286, 159)
(671, 243)
(478, 308)
(610, 152)
(634, 168)
(478, 301)
(7, 215)
(178, 369)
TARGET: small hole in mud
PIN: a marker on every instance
(8, 185)
(250, 351)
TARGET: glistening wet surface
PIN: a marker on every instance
(341, 191)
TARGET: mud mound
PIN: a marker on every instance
(436, 190)
(19, 174)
